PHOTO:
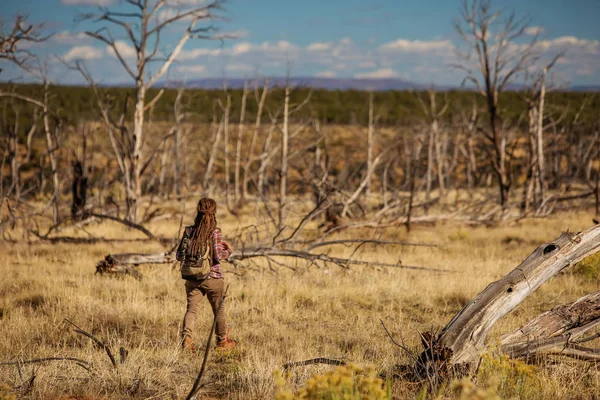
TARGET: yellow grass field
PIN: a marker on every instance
(276, 315)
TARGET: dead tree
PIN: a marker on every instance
(51, 127)
(143, 27)
(434, 144)
(370, 132)
(79, 192)
(12, 147)
(490, 64)
(462, 341)
(285, 138)
(226, 112)
(178, 115)
(535, 187)
(217, 128)
(238, 148)
(14, 41)
(250, 157)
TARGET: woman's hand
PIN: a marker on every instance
(227, 248)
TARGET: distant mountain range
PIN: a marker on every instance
(338, 84)
(313, 82)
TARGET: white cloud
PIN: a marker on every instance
(239, 68)
(83, 53)
(282, 46)
(88, 2)
(124, 49)
(188, 3)
(194, 69)
(417, 46)
(534, 30)
(319, 46)
(378, 74)
(242, 48)
(325, 74)
(196, 53)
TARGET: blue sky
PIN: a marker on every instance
(412, 40)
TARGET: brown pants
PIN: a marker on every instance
(213, 290)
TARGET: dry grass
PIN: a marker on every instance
(276, 317)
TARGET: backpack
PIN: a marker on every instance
(195, 267)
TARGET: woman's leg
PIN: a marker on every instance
(194, 297)
(214, 289)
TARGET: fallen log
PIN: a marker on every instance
(462, 341)
(126, 263)
(558, 331)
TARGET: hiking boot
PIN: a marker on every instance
(225, 344)
(187, 345)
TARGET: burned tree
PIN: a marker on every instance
(79, 192)
(491, 62)
(143, 26)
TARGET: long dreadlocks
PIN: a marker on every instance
(204, 225)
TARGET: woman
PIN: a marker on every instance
(200, 251)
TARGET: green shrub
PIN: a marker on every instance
(6, 393)
(589, 268)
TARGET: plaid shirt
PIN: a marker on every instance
(218, 250)
(219, 253)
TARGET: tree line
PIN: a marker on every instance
(395, 107)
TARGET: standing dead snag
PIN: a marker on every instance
(144, 23)
(463, 340)
(490, 65)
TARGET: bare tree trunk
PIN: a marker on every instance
(370, 142)
(429, 174)
(531, 182)
(440, 156)
(265, 159)
(238, 147)
(134, 191)
(162, 190)
(249, 159)
(319, 174)
(13, 155)
(52, 147)
(226, 149)
(177, 142)
(541, 165)
(284, 158)
(213, 154)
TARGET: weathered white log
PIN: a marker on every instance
(125, 263)
(139, 258)
(558, 331)
(465, 334)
